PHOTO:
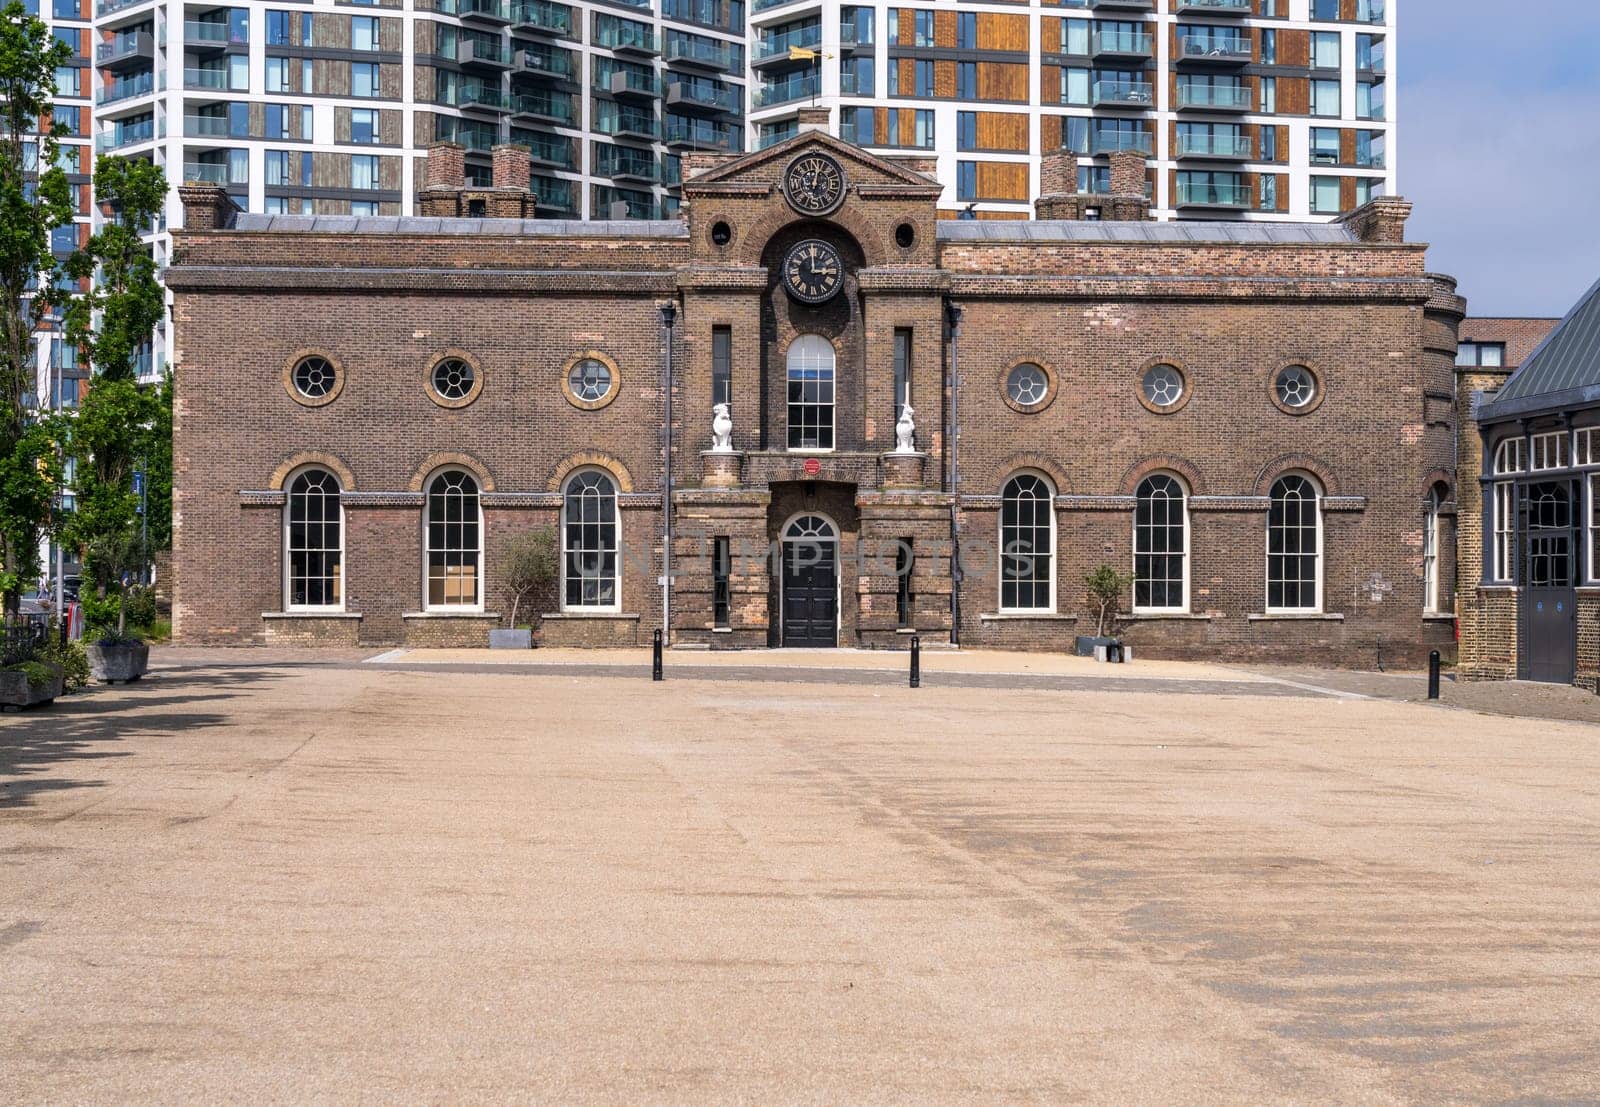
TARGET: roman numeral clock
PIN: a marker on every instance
(813, 271)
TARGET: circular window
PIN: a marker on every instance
(1162, 387)
(454, 380)
(904, 235)
(1028, 386)
(589, 380)
(721, 233)
(312, 378)
(1295, 389)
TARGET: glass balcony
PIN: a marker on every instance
(553, 193)
(136, 47)
(1214, 97)
(1124, 94)
(701, 134)
(483, 53)
(768, 5)
(683, 50)
(1212, 194)
(1116, 5)
(1219, 145)
(631, 123)
(552, 150)
(126, 89)
(631, 82)
(556, 64)
(776, 47)
(1121, 44)
(802, 87)
(110, 7)
(626, 164)
(558, 109)
(210, 173)
(1371, 11)
(1226, 49)
(484, 11)
(701, 94)
(126, 135)
(626, 37)
(1112, 142)
(205, 33)
(205, 126)
(483, 97)
(538, 16)
(206, 78)
(616, 203)
(1213, 7)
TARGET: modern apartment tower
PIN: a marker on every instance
(1252, 109)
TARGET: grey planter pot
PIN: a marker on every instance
(118, 664)
(511, 639)
(1086, 644)
(15, 691)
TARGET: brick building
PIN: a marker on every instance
(1529, 474)
(1252, 419)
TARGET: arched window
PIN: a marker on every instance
(810, 376)
(1432, 542)
(454, 528)
(1294, 546)
(313, 543)
(589, 543)
(1027, 544)
(1160, 545)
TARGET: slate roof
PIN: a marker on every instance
(407, 224)
(1072, 230)
(1563, 372)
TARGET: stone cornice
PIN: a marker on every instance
(1106, 287)
(236, 278)
(743, 278)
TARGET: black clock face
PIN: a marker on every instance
(814, 184)
(812, 271)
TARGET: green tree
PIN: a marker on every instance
(108, 433)
(1105, 587)
(34, 200)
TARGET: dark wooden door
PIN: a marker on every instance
(1550, 567)
(810, 593)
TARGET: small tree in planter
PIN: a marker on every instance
(1105, 587)
(529, 566)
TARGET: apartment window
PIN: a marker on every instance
(1160, 545)
(288, 168)
(364, 207)
(1325, 99)
(1366, 189)
(966, 180)
(1371, 53)
(967, 80)
(277, 121)
(1269, 95)
(68, 117)
(363, 78)
(1324, 146)
(1075, 134)
(67, 81)
(278, 28)
(857, 76)
(72, 37)
(811, 381)
(364, 125)
(1075, 36)
(966, 130)
(1489, 354)
(721, 590)
(904, 602)
(1294, 546)
(1269, 47)
(288, 205)
(364, 171)
(1268, 192)
(921, 127)
(64, 240)
(967, 30)
(278, 71)
(922, 27)
(858, 20)
(1371, 149)
(856, 125)
(722, 366)
(1432, 522)
(1369, 100)
(66, 9)
(364, 32)
(1325, 196)
(1325, 49)
(453, 525)
(313, 543)
(1027, 544)
(1324, 9)
(1075, 86)
(1269, 143)
(307, 28)
(902, 369)
(589, 542)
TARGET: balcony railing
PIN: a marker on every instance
(1133, 94)
(702, 94)
(773, 46)
(541, 15)
(1112, 142)
(1214, 48)
(627, 37)
(613, 203)
(783, 92)
(553, 193)
(554, 63)
(206, 78)
(210, 173)
(1224, 97)
(205, 126)
(701, 134)
(482, 51)
(210, 33)
(546, 149)
(692, 51)
(483, 96)
(632, 124)
(1223, 145)
(1213, 194)
(109, 7)
(118, 137)
(558, 108)
(125, 47)
(142, 85)
(1135, 44)
(1214, 7)
(766, 5)
(629, 164)
(632, 82)
(493, 11)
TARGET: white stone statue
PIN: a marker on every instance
(905, 432)
(721, 429)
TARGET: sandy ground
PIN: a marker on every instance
(296, 881)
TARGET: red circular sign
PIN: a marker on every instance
(812, 466)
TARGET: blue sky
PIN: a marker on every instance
(1499, 147)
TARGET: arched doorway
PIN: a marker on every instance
(809, 582)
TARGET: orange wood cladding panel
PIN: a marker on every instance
(1294, 95)
(880, 126)
(1003, 130)
(908, 127)
(1049, 84)
(1049, 132)
(1003, 81)
(1000, 31)
(944, 79)
(908, 76)
(907, 23)
(999, 180)
(1294, 47)
(1347, 149)
(944, 28)
(1050, 35)
(1347, 193)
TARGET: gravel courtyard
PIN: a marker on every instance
(296, 880)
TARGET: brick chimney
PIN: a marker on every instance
(206, 207)
(696, 162)
(446, 166)
(814, 119)
(1128, 200)
(1058, 186)
(512, 166)
(1380, 220)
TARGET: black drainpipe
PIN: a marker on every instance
(951, 445)
(669, 314)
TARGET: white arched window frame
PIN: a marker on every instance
(313, 542)
(452, 562)
(1510, 457)
(1432, 543)
(591, 580)
(1294, 546)
(1161, 545)
(810, 374)
(1027, 544)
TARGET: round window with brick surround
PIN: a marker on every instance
(1296, 389)
(1028, 386)
(312, 378)
(1162, 388)
(454, 380)
(590, 380)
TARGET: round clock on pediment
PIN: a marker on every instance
(814, 184)
(813, 271)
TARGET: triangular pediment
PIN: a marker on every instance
(765, 167)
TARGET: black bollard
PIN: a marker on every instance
(916, 661)
(1433, 674)
(655, 656)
